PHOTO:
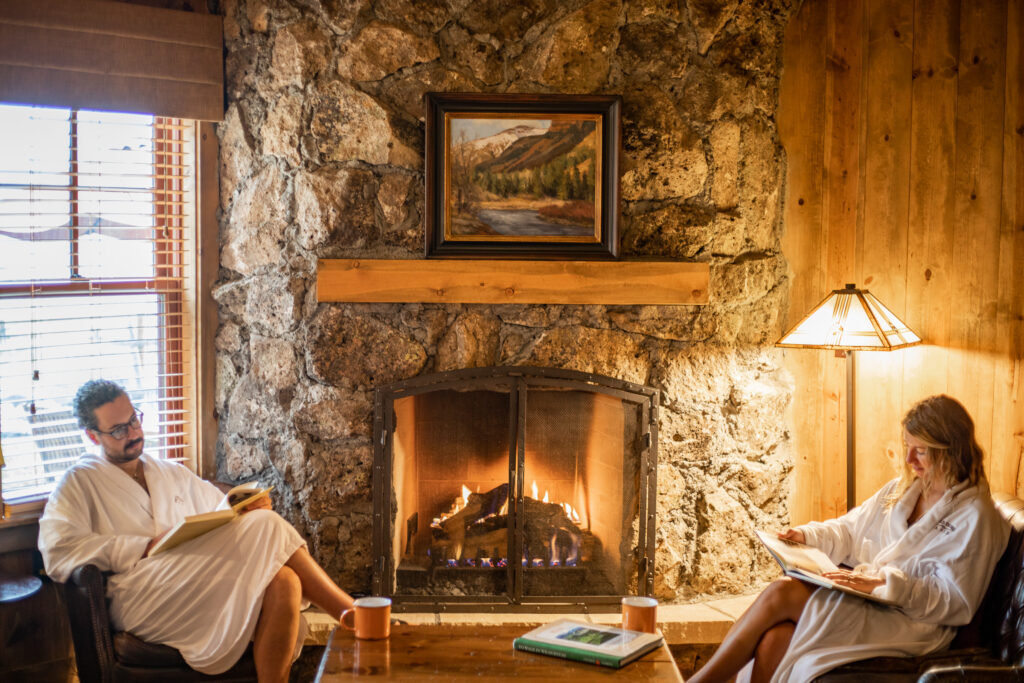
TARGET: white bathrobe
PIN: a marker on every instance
(202, 597)
(936, 570)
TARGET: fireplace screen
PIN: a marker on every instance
(513, 487)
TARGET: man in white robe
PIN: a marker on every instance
(204, 597)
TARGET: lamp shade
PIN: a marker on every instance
(850, 319)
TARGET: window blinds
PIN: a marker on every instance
(96, 226)
(112, 56)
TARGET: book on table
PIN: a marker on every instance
(194, 526)
(807, 563)
(592, 643)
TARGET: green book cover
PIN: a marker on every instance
(591, 643)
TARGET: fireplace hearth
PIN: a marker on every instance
(513, 488)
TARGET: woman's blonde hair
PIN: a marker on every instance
(943, 425)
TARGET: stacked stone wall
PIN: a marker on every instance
(322, 156)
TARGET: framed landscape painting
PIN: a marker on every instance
(527, 176)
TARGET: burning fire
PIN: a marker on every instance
(570, 511)
(457, 506)
(562, 549)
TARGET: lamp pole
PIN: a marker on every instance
(851, 430)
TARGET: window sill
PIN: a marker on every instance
(22, 512)
(19, 528)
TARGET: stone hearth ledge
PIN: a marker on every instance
(697, 623)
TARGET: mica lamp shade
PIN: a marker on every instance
(850, 319)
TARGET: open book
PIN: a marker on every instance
(592, 643)
(194, 526)
(806, 563)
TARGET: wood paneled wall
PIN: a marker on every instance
(903, 126)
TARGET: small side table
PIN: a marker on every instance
(481, 654)
(15, 588)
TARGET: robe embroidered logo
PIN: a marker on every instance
(945, 527)
(179, 500)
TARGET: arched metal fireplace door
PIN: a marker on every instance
(514, 489)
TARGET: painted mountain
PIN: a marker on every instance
(532, 152)
(529, 182)
(492, 146)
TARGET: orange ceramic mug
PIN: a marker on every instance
(370, 618)
(639, 614)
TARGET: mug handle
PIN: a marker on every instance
(342, 621)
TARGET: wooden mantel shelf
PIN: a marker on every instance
(512, 282)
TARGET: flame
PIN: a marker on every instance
(457, 506)
(570, 511)
(559, 552)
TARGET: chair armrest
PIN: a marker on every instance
(86, 597)
(995, 672)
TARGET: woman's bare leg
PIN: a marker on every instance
(770, 650)
(278, 627)
(317, 587)
(781, 601)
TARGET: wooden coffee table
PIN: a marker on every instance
(480, 653)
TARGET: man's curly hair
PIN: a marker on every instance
(92, 395)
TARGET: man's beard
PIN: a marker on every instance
(124, 455)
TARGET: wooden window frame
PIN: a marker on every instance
(200, 391)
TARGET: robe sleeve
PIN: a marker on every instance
(67, 541)
(946, 581)
(840, 538)
(206, 495)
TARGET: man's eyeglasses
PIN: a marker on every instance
(119, 432)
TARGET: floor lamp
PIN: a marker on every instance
(850, 320)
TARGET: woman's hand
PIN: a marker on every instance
(855, 580)
(793, 535)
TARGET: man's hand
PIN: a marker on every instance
(261, 503)
(156, 539)
(792, 535)
(855, 580)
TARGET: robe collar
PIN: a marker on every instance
(950, 499)
(124, 481)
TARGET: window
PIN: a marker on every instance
(96, 240)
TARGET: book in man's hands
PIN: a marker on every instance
(591, 643)
(194, 526)
(807, 563)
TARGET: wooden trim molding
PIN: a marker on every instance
(512, 282)
(207, 265)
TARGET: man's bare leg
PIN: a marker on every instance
(781, 601)
(317, 586)
(278, 627)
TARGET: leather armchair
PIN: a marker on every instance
(103, 656)
(990, 648)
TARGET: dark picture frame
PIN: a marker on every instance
(522, 176)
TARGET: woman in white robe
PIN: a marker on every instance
(928, 541)
(208, 597)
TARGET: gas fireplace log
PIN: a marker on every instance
(545, 522)
(452, 533)
(492, 544)
(476, 531)
(480, 540)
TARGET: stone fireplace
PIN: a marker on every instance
(322, 157)
(514, 486)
